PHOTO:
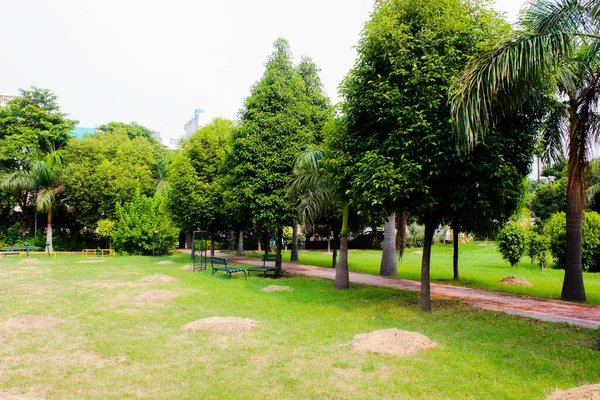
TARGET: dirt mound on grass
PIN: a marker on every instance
(222, 324)
(589, 392)
(188, 267)
(165, 262)
(30, 322)
(158, 279)
(394, 342)
(417, 253)
(277, 288)
(29, 268)
(154, 296)
(516, 281)
(90, 261)
(485, 244)
(30, 261)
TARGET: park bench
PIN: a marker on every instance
(220, 264)
(16, 250)
(265, 268)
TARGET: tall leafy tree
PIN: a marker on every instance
(396, 107)
(30, 122)
(132, 129)
(43, 177)
(557, 41)
(107, 169)
(276, 123)
(195, 193)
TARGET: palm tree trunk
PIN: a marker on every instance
(342, 277)
(400, 233)
(49, 230)
(374, 237)
(455, 256)
(573, 288)
(425, 299)
(240, 248)
(295, 234)
(335, 249)
(389, 263)
(278, 270)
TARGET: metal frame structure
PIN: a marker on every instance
(199, 255)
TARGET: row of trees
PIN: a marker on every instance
(386, 155)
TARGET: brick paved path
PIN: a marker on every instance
(541, 309)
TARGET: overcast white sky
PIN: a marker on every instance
(154, 62)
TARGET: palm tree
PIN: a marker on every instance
(389, 263)
(316, 200)
(557, 42)
(43, 176)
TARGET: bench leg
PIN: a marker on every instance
(246, 273)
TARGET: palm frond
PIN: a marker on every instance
(553, 133)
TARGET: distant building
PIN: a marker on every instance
(4, 99)
(80, 132)
(156, 136)
(193, 124)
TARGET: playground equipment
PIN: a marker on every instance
(199, 249)
(97, 253)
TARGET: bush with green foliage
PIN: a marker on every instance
(415, 235)
(556, 229)
(511, 243)
(536, 247)
(138, 220)
(549, 198)
(106, 229)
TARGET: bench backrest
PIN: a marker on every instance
(218, 260)
(26, 248)
(271, 257)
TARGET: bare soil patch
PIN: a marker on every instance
(158, 279)
(165, 262)
(516, 281)
(394, 342)
(30, 261)
(9, 396)
(91, 261)
(222, 324)
(30, 322)
(485, 244)
(589, 392)
(188, 267)
(276, 288)
(155, 296)
(417, 253)
(29, 268)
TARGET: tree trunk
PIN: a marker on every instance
(374, 237)
(278, 270)
(328, 244)
(425, 299)
(342, 277)
(400, 233)
(212, 244)
(295, 234)
(240, 249)
(389, 263)
(259, 242)
(49, 230)
(335, 249)
(455, 257)
(266, 242)
(573, 288)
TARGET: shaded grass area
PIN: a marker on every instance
(110, 347)
(481, 266)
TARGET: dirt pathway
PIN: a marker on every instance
(541, 309)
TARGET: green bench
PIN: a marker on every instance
(220, 264)
(15, 250)
(264, 269)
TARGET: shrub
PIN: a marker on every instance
(556, 229)
(106, 229)
(136, 223)
(415, 236)
(511, 243)
(537, 247)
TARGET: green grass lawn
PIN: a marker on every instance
(481, 266)
(108, 346)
